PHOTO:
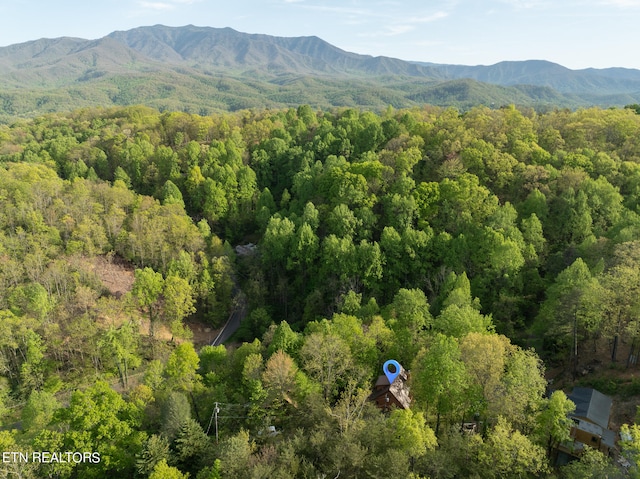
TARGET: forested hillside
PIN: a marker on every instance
(454, 243)
(207, 70)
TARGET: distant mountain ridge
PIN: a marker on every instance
(204, 69)
(228, 48)
(545, 73)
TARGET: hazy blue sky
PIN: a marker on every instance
(577, 34)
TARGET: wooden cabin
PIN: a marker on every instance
(590, 425)
(387, 396)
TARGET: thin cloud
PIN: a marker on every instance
(166, 5)
(342, 10)
(409, 24)
(385, 18)
(429, 18)
(393, 30)
(157, 6)
(623, 3)
(525, 4)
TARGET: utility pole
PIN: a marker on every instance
(216, 410)
(214, 416)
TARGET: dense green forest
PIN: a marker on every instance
(479, 249)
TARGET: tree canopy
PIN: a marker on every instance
(454, 242)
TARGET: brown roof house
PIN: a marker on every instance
(590, 425)
(396, 394)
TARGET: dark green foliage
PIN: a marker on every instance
(155, 449)
(635, 107)
(190, 447)
(176, 412)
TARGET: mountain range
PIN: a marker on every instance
(202, 69)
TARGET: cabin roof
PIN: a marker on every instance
(591, 405)
(398, 389)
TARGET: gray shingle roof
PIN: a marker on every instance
(592, 405)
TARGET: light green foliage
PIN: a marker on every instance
(32, 369)
(163, 471)
(16, 468)
(535, 203)
(147, 289)
(178, 304)
(349, 410)
(457, 291)
(509, 453)
(339, 260)
(284, 339)
(351, 303)
(31, 299)
(411, 310)
(304, 249)
(120, 346)
(409, 433)
(342, 222)
(553, 422)
(593, 464)
(212, 358)
(369, 265)
(350, 329)
(620, 301)
(181, 369)
(100, 420)
(39, 411)
(464, 202)
(278, 240)
(459, 321)
(410, 317)
(519, 396)
(153, 374)
(211, 472)
(532, 234)
(252, 367)
(5, 389)
(630, 444)
(157, 234)
(427, 196)
(121, 176)
(505, 379)
(327, 358)
(279, 376)
(440, 378)
(310, 215)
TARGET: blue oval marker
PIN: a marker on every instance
(391, 376)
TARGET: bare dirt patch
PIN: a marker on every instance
(117, 277)
(203, 334)
(114, 273)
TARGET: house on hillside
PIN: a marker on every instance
(387, 395)
(590, 425)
